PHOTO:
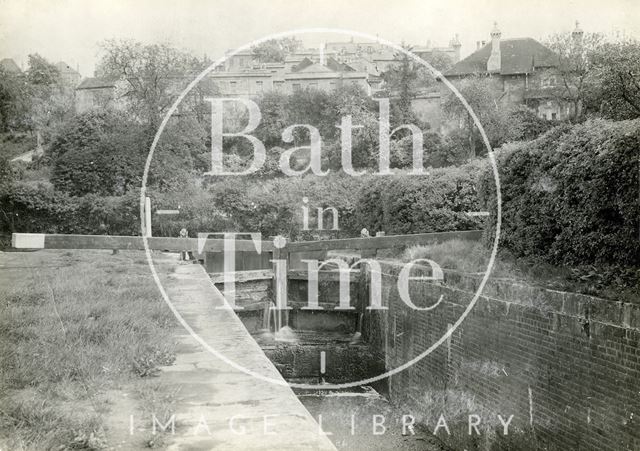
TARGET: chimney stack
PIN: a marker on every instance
(577, 34)
(494, 62)
(455, 45)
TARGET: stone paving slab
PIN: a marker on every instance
(211, 392)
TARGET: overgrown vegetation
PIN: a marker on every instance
(73, 326)
(501, 123)
(472, 257)
(571, 196)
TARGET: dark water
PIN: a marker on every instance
(349, 417)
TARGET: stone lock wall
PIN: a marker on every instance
(565, 365)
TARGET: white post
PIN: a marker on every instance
(147, 216)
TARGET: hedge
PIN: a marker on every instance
(395, 204)
(571, 196)
(435, 202)
(39, 208)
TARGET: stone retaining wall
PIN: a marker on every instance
(566, 365)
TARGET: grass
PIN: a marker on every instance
(74, 325)
(460, 255)
(159, 401)
(472, 257)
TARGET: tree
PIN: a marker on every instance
(274, 118)
(404, 80)
(35, 100)
(615, 79)
(354, 101)
(440, 61)
(14, 101)
(482, 99)
(104, 153)
(49, 103)
(41, 72)
(575, 64)
(50, 109)
(406, 75)
(83, 132)
(98, 152)
(155, 75)
(401, 84)
(275, 50)
(181, 151)
(525, 125)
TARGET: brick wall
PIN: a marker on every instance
(567, 366)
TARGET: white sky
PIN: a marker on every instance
(69, 30)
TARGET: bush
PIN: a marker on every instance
(40, 208)
(198, 212)
(411, 204)
(112, 215)
(395, 204)
(571, 196)
(84, 131)
(98, 152)
(102, 153)
(36, 208)
(274, 207)
(453, 150)
(525, 125)
(113, 167)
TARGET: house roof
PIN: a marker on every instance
(314, 68)
(64, 68)
(306, 62)
(96, 83)
(9, 65)
(517, 56)
(332, 65)
(337, 66)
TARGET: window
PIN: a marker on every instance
(232, 86)
(553, 116)
(549, 81)
(296, 86)
(259, 85)
(332, 84)
(313, 85)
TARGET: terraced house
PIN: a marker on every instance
(332, 65)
